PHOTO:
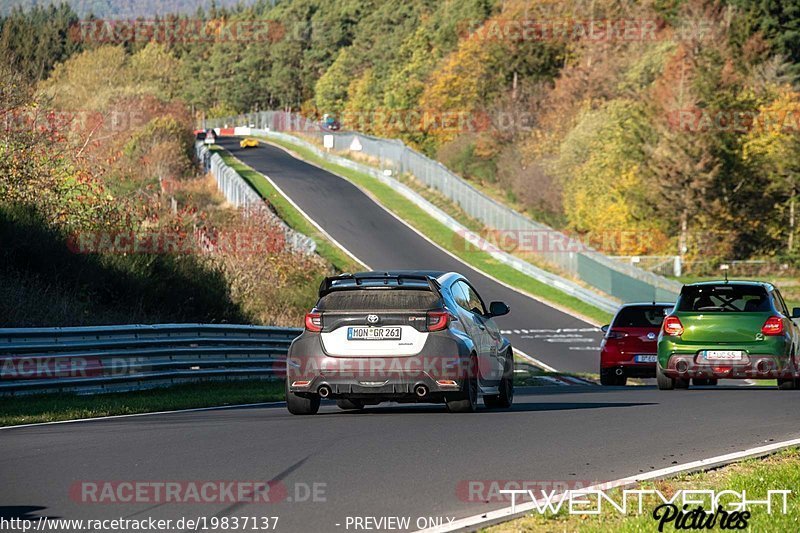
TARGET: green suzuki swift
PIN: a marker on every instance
(731, 330)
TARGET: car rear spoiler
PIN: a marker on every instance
(327, 285)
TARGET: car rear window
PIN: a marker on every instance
(641, 316)
(378, 299)
(724, 299)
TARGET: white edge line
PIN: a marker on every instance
(502, 515)
(369, 194)
(533, 360)
(111, 417)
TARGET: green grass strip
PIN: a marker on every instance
(55, 407)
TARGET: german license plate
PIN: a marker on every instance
(373, 334)
(723, 355)
(646, 358)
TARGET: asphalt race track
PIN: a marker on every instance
(560, 340)
(386, 461)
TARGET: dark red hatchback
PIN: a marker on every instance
(630, 344)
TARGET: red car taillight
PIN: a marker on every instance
(314, 322)
(615, 334)
(673, 326)
(773, 326)
(438, 320)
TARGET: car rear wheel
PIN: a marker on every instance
(506, 396)
(609, 378)
(789, 384)
(664, 381)
(301, 405)
(350, 405)
(468, 400)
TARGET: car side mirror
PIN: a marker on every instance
(604, 329)
(796, 312)
(498, 309)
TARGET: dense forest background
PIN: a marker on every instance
(690, 133)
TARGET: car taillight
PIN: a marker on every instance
(773, 326)
(673, 326)
(314, 321)
(438, 320)
(614, 334)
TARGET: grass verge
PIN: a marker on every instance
(55, 407)
(755, 476)
(287, 212)
(448, 239)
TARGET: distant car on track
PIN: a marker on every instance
(248, 143)
(729, 329)
(406, 336)
(629, 346)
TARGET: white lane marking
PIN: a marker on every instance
(564, 310)
(110, 417)
(501, 515)
(559, 330)
(533, 360)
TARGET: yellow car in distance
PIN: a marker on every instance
(248, 143)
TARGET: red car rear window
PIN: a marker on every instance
(640, 316)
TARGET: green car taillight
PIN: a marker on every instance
(673, 326)
(773, 326)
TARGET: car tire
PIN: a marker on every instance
(301, 405)
(609, 378)
(664, 382)
(467, 401)
(350, 405)
(787, 384)
(506, 396)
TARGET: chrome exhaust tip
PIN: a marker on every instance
(421, 391)
(324, 391)
(619, 372)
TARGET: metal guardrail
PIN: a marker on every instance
(115, 358)
(622, 281)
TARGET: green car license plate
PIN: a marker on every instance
(722, 355)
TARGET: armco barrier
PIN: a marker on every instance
(239, 193)
(622, 281)
(113, 358)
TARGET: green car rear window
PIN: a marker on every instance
(378, 299)
(641, 316)
(724, 299)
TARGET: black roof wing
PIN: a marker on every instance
(327, 286)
